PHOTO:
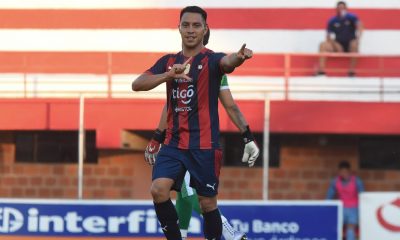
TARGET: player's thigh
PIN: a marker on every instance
(169, 165)
(327, 46)
(353, 216)
(204, 167)
(337, 47)
(350, 216)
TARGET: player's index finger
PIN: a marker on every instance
(243, 47)
(187, 61)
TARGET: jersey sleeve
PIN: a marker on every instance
(159, 67)
(353, 18)
(330, 27)
(360, 185)
(331, 190)
(224, 83)
(215, 63)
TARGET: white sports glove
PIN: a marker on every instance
(154, 146)
(251, 150)
(151, 151)
(251, 153)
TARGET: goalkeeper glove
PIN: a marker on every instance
(251, 150)
(154, 146)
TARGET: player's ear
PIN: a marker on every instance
(205, 29)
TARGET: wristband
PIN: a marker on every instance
(247, 135)
(159, 135)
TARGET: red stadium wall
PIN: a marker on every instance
(109, 117)
(305, 165)
(117, 175)
(304, 173)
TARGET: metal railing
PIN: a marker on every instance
(109, 83)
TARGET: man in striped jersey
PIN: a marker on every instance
(187, 199)
(192, 138)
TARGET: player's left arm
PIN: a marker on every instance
(230, 62)
(359, 30)
(359, 27)
(360, 185)
(233, 110)
(251, 150)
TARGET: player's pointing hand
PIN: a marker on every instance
(180, 70)
(244, 53)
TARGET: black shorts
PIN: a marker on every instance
(345, 45)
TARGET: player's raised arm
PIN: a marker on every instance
(231, 61)
(147, 81)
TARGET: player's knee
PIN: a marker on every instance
(159, 193)
(353, 46)
(350, 226)
(321, 47)
(208, 204)
(325, 47)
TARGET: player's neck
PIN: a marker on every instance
(190, 52)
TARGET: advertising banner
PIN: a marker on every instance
(278, 220)
(380, 215)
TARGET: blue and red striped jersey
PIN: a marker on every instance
(193, 121)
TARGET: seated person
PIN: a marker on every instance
(343, 35)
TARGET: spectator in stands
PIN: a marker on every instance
(343, 35)
(346, 188)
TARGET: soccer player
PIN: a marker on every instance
(193, 79)
(187, 199)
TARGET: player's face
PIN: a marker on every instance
(192, 28)
(341, 9)
(344, 173)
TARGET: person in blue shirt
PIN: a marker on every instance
(343, 35)
(346, 187)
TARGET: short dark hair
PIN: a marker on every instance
(344, 165)
(206, 37)
(341, 2)
(194, 9)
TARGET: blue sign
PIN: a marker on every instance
(289, 220)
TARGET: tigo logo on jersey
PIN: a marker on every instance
(184, 95)
(11, 220)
